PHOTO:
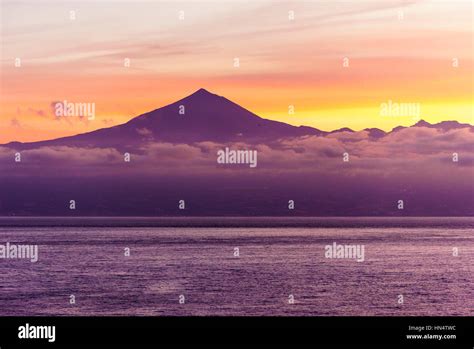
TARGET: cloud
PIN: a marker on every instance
(418, 153)
(14, 122)
(108, 121)
(144, 131)
(38, 112)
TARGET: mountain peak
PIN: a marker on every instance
(343, 129)
(202, 92)
(205, 116)
(422, 123)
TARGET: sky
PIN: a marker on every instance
(326, 64)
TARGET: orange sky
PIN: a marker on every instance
(400, 51)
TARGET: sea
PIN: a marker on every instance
(236, 266)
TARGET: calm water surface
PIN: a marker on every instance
(412, 257)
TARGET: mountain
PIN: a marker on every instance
(206, 117)
(203, 116)
(311, 171)
(344, 129)
(443, 126)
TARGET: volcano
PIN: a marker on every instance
(174, 152)
(201, 116)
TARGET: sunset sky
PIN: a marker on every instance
(400, 51)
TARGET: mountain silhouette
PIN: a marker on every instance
(443, 126)
(202, 116)
(309, 170)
